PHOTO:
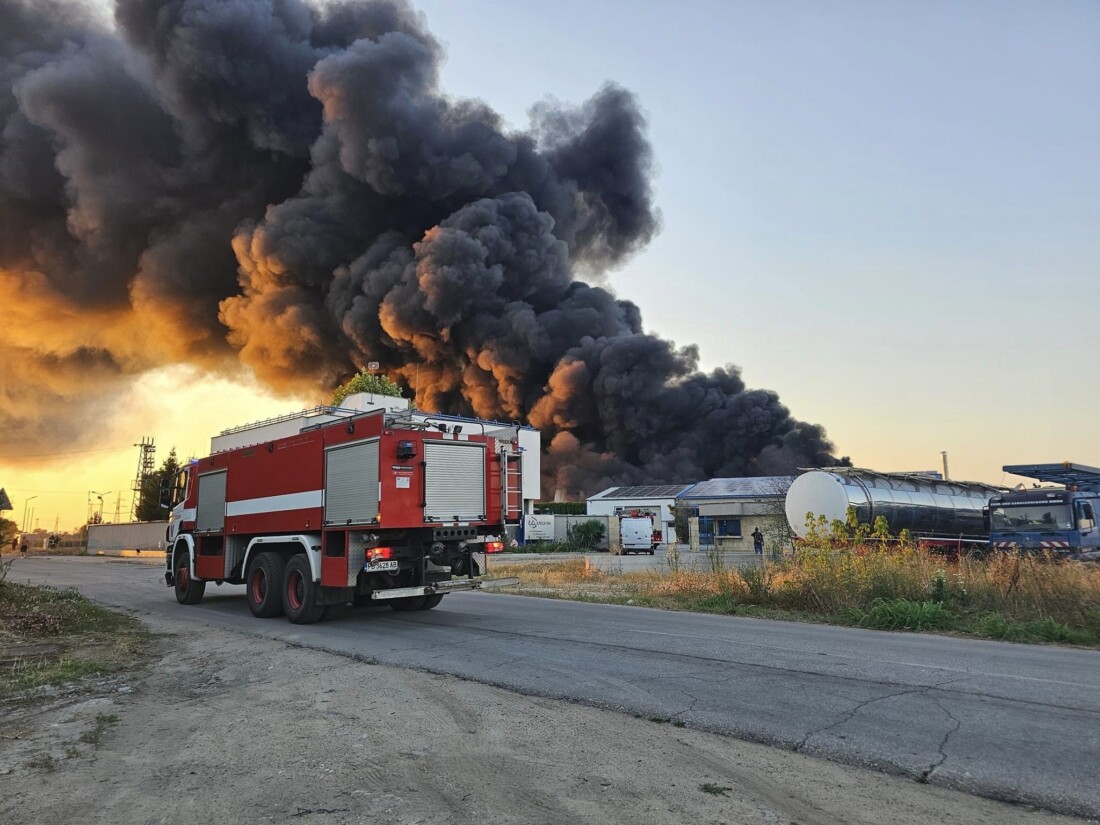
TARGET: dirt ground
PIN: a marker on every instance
(230, 728)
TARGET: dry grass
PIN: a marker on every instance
(1020, 597)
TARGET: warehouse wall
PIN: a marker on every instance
(147, 535)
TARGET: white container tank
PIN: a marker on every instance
(925, 506)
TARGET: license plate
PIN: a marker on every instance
(375, 566)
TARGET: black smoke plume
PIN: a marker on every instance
(284, 186)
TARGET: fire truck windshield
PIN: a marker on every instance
(1038, 516)
(179, 487)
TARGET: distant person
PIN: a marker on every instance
(23, 548)
(758, 542)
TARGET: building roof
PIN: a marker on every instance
(757, 487)
(644, 491)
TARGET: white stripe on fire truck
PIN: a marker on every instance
(275, 504)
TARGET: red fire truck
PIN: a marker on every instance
(376, 505)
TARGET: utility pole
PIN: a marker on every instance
(25, 503)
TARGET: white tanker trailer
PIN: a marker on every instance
(928, 507)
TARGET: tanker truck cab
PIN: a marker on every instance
(1048, 519)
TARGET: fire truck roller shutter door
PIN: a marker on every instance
(211, 509)
(454, 481)
(351, 483)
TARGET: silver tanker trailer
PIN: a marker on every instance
(949, 513)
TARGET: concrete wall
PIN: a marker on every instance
(563, 523)
(147, 535)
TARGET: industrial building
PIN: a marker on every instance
(723, 512)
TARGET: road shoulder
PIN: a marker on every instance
(224, 726)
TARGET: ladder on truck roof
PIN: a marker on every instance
(511, 495)
(1066, 473)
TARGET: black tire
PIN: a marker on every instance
(188, 591)
(300, 592)
(460, 568)
(432, 601)
(408, 603)
(264, 585)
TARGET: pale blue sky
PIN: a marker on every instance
(888, 212)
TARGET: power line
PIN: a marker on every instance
(49, 492)
(72, 452)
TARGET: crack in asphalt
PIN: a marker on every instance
(894, 694)
(511, 661)
(927, 774)
(689, 708)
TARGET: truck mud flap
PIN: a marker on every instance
(452, 586)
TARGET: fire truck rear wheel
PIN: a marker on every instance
(265, 585)
(432, 601)
(300, 592)
(188, 591)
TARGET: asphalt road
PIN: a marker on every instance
(1012, 722)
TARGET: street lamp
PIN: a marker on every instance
(100, 497)
(25, 503)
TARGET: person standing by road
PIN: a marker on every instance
(758, 542)
(23, 547)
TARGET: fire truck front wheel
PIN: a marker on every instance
(300, 593)
(188, 591)
(265, 585)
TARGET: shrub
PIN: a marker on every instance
(587, 534)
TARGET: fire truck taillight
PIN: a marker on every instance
(494, 547)
(380, 553)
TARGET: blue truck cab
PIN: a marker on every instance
(1047, 519)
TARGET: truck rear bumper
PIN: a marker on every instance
(452, 586)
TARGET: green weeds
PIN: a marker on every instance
(902, 614)
(714, 790)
